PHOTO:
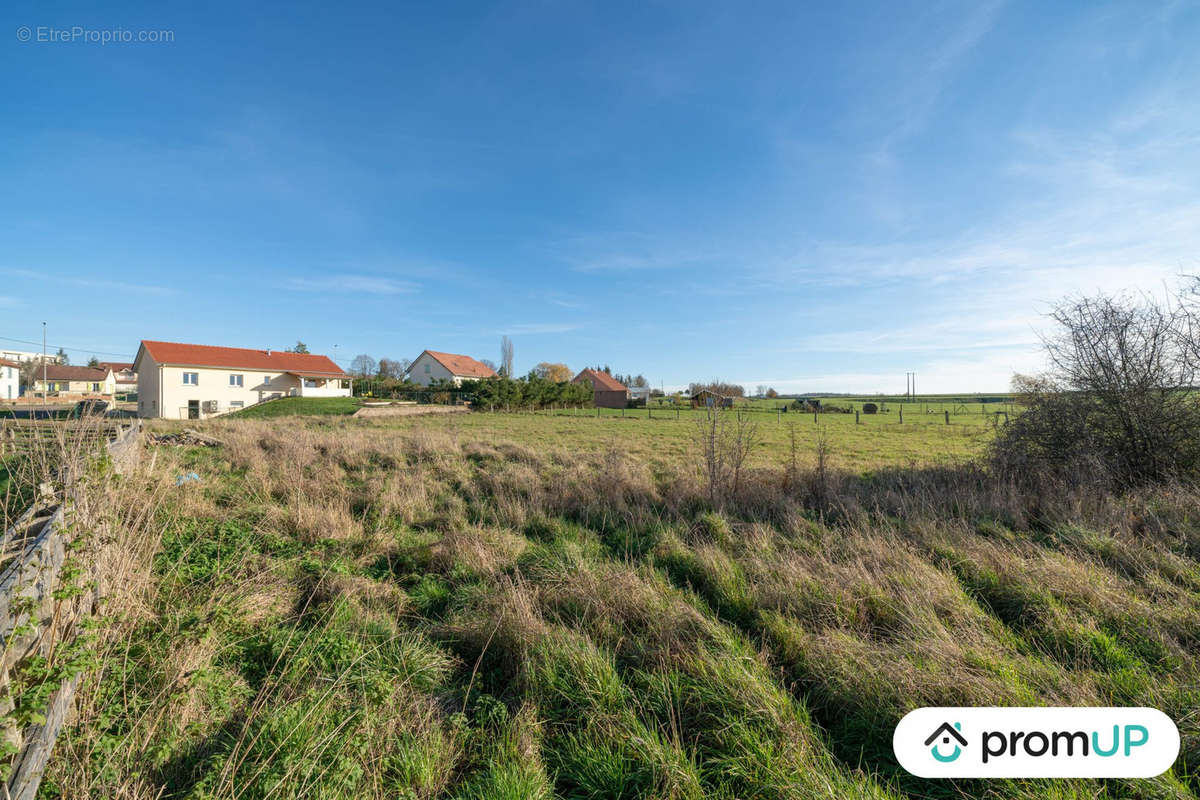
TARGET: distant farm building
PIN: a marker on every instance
(432, 365)
(607, 391)
(706, 398)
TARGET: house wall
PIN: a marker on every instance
(107, 386)
(417, 372)
(162, 392)
(607, 398)
(324, 388)
(10, 388)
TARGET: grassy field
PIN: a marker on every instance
(665, 437)
(521, 606)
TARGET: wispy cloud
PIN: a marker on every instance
(537, 328)
(91, 283)
(363, 284)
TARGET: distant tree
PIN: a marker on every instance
(487, 362)
(506, 357)
(31, 371)
(93, 362)
(62, 357)
(554, 372)
(718, 386)
(760, 390)
(393, 367)
(300, 347)
(363, 366)
(771, 393)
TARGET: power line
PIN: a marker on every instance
(69, 349)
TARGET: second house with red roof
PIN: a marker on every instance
(197, 381)
(433, 365)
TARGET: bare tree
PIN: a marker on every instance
(363, 366)
(393, 367)
(506, 357)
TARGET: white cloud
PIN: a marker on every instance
(365, 284)
(91, 283)
(537, 328)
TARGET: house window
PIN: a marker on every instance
(426, 367)
(235, 380)
(344, 384)
(236, 403)
(95, 387)
(310, 383)
(266, 380)
(191, 379)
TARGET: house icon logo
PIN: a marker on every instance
(945, 732)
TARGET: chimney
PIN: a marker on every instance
(268, 351)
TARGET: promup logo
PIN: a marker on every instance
(1036, 742)
(946, 732)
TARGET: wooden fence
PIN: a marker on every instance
(35, 618)
(22, 435)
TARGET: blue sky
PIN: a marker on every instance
(817, 197)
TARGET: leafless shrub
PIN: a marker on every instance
(724, 440)
(1118, 405)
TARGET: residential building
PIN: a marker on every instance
(10, 379)
(607, 391)
(65, 380)
(27, 355)
(432, 365)
(194, 381)
(125, 375)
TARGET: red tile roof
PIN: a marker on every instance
(6, 363)
(203, 355)
(116, 366)
(601, 380)
(57, 372)
(462, 366)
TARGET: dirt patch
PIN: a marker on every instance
(406, 411)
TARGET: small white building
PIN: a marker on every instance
(195, 381)
(10, 379)
(123, 373)
(432, 365)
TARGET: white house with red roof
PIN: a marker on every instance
(195, 381)
(432, 365)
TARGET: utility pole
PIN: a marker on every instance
(45, 387)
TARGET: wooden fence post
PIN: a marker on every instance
(856, 416)
(947, 417)
(901, 413)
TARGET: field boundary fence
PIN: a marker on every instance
(39, 614)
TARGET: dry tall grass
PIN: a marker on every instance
(352, 612)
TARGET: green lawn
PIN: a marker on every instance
(301, 407)
(667, 438)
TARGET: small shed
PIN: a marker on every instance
(706, 398)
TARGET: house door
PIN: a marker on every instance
(193, 409)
